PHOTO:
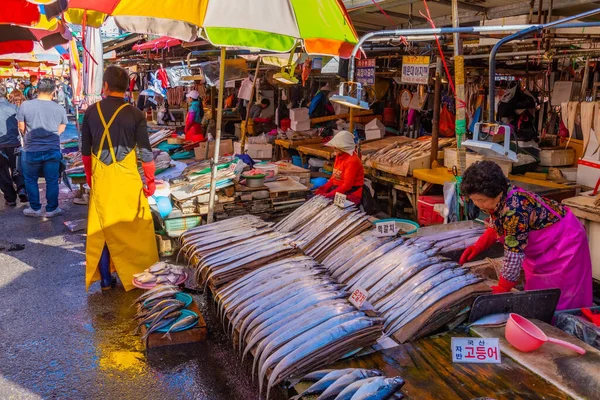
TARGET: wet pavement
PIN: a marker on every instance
(58, 341)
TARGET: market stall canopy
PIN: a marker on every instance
(276, 25)
(30, 12)
(164, 42)
(34, 57)
(176, 18)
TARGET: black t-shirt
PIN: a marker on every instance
(129, 130)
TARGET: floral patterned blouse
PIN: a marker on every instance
(514, 217)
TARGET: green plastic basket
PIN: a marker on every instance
(182, 223)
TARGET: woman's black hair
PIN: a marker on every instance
(484, 177)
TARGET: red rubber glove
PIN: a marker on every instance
(486, 241)
(504, 286)
(87, 168)
(149, 169)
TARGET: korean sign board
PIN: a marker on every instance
(415, 69)
(475, 350)
(365, 71)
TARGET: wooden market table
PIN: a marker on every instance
(317, 150)
(282, 145)
(426, 178)
(427, 368)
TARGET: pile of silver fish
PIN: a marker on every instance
(351, 384)
(302, 215)
(161, 273)
(328, 228)
(401, 152)
(226, 250)
(403, 278)
(292, 318)
(158, 308)
(454, 240)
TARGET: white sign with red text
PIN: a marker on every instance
(358, 297)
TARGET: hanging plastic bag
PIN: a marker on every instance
(447, 122)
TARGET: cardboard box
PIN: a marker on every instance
(557, 157)
(299, 114)
(226, 147)
(588, 173)
(260, 151)
(374, 130)
(300, 126)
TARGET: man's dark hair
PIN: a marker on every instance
(484, 177)
(117, 78)
(46, 86)
(265, 102)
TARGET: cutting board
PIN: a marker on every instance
(537, 304)
(577, 375)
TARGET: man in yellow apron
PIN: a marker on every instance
(120, 228)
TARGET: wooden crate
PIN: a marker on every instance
(288, 169)
(404, 169)
(193, 335)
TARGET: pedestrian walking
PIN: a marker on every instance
(11, 180)
(42, 121)
(120, 228)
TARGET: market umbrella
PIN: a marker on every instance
(29, 12)
(19, 39)
(276, 25)
(33, 57)
(164, 42)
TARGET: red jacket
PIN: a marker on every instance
(348, 178)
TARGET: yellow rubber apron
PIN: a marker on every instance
(119, 215)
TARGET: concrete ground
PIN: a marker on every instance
(58, 341)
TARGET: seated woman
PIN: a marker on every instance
(348, 173)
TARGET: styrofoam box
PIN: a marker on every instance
(588, 172)
(300, 126)
(299, 114)
(260, 151)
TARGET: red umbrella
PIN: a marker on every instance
(20, 12)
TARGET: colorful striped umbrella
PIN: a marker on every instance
(275, 25)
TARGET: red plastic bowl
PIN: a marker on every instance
(526, 337)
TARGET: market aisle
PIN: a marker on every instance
(57, 341)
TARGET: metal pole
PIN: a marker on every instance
(585, 79)
(517, 35)
(462, 29)
(252, 95)
(215, 160)
(437, 103)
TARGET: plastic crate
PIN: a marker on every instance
(426, 210)
(175, 226)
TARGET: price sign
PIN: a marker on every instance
(340, 200)
(358, 297)
(478, 351)
(385, 228)
(415, 69)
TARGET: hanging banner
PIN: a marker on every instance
(415, 69)
(365, 71)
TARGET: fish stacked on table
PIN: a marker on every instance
(401, 152)
(454, 240)
(161, 273)
(292, 317)
(350, 384)
(232, 249)
(330, 227)
(158, 308)
(302, 215)
(404, 278)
